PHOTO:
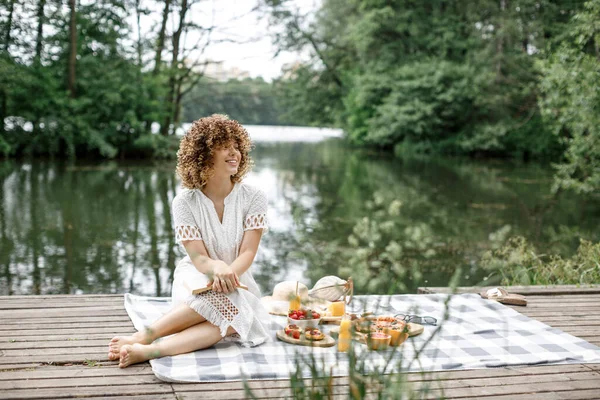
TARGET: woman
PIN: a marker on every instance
(219, 221)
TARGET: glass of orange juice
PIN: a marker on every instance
(295, 303)
(337, 308)
(345, 336)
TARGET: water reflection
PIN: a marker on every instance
(106, 228)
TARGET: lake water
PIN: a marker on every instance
(106, 227)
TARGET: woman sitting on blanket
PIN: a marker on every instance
(219, 220)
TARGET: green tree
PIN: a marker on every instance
(571, 101)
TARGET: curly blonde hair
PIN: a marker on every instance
(195, 154)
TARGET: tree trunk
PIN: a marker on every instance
(3, 109)
(39, 40)
(139, 33)
(500, 44)
(11, 9)
(177, 106)
(160, 44)
(3, 93)
(72, 50)
(165, 128)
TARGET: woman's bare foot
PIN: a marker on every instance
(136, 353)
(116, 343)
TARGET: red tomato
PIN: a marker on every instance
(296, 334)
(316, 315)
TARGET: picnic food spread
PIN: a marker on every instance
(377, 331)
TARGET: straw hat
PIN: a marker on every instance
(283, 292)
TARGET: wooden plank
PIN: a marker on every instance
(589, 394)
(48, 305)
(21, 368)
(77, 371)
(42, 352)
(58, 320)
(108, 390)
(544, 387)
(66, 331)
(51, 338)
(61, 312)
(92, 355)
(164, 396)
(64, 325)
(88, 381)
(526, 290)
(580, 306)
(59, 296)
(565, 299)
(54, 344)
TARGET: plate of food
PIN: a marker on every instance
(308, 336)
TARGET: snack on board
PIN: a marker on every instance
(292, 331)
(385, 320)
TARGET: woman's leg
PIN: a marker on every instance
(179, 318)
(196, 337)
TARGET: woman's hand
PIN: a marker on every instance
(224, 279)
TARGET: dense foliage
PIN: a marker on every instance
(80, 79)
(488, 77)
(250, 101)
(103, 113)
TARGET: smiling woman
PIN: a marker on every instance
(219, 221)
(207, 138)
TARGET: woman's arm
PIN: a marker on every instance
(248, 249)
(199, 256)
(221, 275)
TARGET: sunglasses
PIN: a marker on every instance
(416, 319)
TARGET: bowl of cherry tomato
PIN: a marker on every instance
(304, 318)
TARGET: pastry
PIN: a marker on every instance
(314, 334)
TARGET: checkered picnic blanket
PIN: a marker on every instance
(471, 333)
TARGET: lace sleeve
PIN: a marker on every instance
(256, 217)
(183, 221)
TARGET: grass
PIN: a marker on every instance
(312, 379)
(518, 263)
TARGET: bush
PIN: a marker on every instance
(518, 263)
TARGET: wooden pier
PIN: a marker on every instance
(56, 347)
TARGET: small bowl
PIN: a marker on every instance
(397, 334)
(305, 323)
(378, 341)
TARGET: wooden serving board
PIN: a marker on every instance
(331, 320)
(413, 330)
(327, 341)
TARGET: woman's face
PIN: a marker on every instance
(226, 160)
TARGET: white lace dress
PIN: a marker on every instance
(195, 218)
